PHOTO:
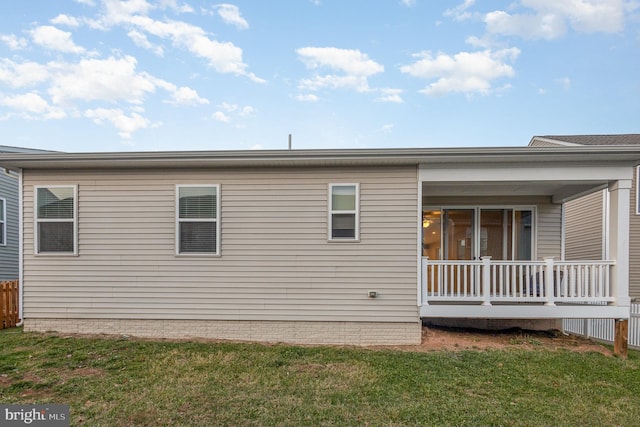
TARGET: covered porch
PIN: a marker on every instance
(492, 237)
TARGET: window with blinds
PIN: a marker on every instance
(344, 212)
(197, 219)
(3, 221)
(56, 220)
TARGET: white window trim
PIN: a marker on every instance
(331, 212)
(36, 242)
(4, 221)
(216, 220)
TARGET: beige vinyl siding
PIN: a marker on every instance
(634, 244)
(548, 217)
(276, 262)
(549, 228)
(584, 227)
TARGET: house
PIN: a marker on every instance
(9, 217)
(314, 246)
(587, 217)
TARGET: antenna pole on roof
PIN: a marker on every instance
(289, 141)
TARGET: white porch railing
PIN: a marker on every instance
(487, 282)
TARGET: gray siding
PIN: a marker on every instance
(549, 217)
(275, 263)
(634, 244)
(583, 226)
(9, 251)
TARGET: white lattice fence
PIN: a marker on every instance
(602, 329)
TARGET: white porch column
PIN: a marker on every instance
(619, 240)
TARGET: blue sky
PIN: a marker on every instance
(109, 75)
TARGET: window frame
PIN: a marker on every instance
(3, 210)
(36, 221)
(637, 190)
(355, 212)
(178, 221)
(477, 209)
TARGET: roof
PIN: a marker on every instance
(609, 140)
(321, 158)
(10, 149)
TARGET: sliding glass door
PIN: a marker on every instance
(471, 233)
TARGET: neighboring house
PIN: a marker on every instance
(9, 217)
(587, 217)
(587, 225)
(314, 246)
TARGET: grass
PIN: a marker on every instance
(118, 382)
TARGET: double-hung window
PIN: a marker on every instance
(344, 212)
(3, 222)
(56, 220)
(197, 222)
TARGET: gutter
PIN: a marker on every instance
(20, 253)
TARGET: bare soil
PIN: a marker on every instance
(458, 339)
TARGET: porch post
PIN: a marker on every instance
(619, 240)
(486, 280)
(548, 282)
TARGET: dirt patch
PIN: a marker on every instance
(456, 339)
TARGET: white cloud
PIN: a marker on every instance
(54, 39)
(173, 4)
(24, 74)
(65, 20)
(464, 72)
(86, 2)
(141, 40)
(13, 42)
(187, 96)
(388, 128)
(221, 117)
(355, 66)
(391, 95)
(126, 125)
(549, 19)
(541, 26)
(111, 79)
(232, 112)
(564, 82)
(460, 12)
(224, 57)
(257, 147)
(307, 97)
(32, 103)
(231, 15)
(408, 3)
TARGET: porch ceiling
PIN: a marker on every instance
(562, 181)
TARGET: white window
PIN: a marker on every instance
(344, 212)
(3, 221)
(637, 190)
(197, 219)
(56, 220)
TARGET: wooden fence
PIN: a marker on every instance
(9, 304)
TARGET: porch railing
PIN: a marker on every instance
(488, 281)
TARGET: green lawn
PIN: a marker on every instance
(129, 382)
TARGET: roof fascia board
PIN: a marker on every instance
(273, 158)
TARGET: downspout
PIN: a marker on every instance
(20, 252)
